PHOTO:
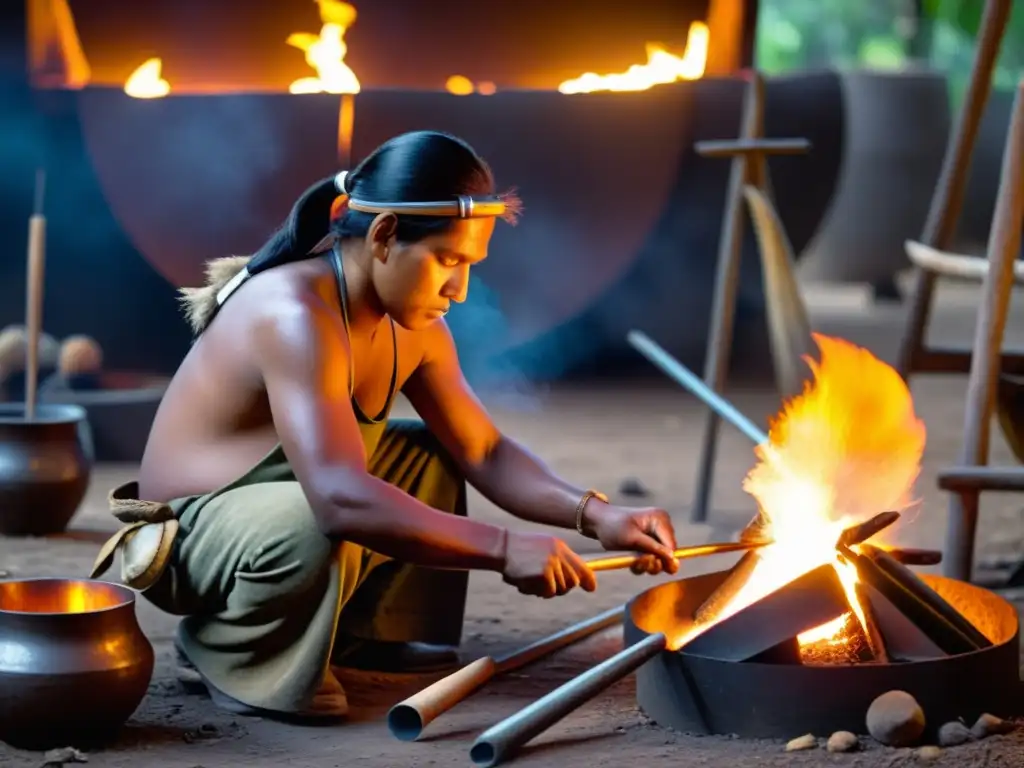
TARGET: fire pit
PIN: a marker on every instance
(825, 626)
(74, 663)
(816, 687)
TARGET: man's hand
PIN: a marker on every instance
(647, 530)
(542, 565)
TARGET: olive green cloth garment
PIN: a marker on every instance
(264, 592)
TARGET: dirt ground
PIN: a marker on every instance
(596, 437)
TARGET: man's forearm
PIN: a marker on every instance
(375, 514)
(518, 482)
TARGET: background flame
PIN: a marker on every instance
(661, 67)
(146, 83)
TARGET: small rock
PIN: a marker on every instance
(842, 741)
(990, 725)
(953, 734)
(895, 719)
(61, 755)
(931, 752)
(807, 741)
(631, 486)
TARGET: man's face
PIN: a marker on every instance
(417, 282)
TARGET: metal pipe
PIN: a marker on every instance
(503, 740)
(690, 381)
(614, 562)
(408, 718)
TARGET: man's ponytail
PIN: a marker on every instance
(306, 225)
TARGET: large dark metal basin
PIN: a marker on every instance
(697, 694)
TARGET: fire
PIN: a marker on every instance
(847, 448)
(661, 67)
(146, 83)
(460, 85)
(325, 52)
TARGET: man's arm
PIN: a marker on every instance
(502, 470)
(304, 362)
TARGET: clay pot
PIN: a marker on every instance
(44, 467)
(74, 663)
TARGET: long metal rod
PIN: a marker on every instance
(690, 381)
(503, 740)
(407, 719)
(614, 562)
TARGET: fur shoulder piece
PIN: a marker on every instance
(200, 304)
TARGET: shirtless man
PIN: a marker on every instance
(287, 526)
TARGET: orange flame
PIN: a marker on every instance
(847, 448)
(661, 67)
(146, 83)
(325, 52)
(459, 85)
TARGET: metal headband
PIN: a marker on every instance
(462, 206)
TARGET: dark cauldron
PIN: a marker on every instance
(44, 467)
(74, 663)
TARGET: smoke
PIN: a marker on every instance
(482, 335)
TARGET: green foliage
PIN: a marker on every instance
(803, 34)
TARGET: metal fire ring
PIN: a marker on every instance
(694, 694)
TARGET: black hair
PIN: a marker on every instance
(412, 167)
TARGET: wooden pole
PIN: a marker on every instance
(745, 170)
(947, 200)
(34, 295)
(1003, 248)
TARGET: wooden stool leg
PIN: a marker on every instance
(1003, 247)
(947, 201)
(727, 279)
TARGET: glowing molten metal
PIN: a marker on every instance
(847, 448)
(661, 67)
(146, 83)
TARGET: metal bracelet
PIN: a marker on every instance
(590, 494)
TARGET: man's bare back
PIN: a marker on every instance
(215, 420)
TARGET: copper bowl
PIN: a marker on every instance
(74, 663)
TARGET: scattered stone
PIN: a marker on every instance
(631, 486)
(990, 725)
(930, 752)
(895, 719)
(54, 758)
(204, 731)
(842, 741)
(953, 734)
(807, 741)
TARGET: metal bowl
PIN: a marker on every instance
(74, 663)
